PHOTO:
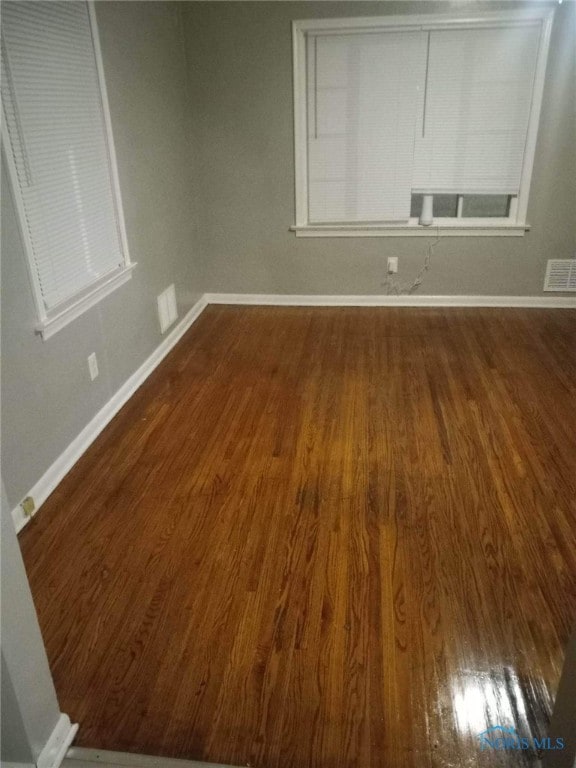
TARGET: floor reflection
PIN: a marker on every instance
(503, 714)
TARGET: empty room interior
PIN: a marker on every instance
(288, 330)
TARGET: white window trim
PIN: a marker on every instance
(513, 226)
(52, 321)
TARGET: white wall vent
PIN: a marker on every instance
(560, 275)
(167, 308)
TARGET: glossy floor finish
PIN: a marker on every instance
(322, 537)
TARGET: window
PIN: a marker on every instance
(404, 122)
(58, 145)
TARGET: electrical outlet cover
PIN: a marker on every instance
(171, 300)
(163, 311)
(93, 366)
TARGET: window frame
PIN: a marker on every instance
(515, 224)
(52, 321)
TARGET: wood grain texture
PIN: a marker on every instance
(322, 538)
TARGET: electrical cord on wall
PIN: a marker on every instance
(397, 289)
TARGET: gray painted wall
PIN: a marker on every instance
(30, 709)
(240, 62)
(47, 394)
(14, 747)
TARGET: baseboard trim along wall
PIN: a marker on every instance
(64, 463)
(58, 744)
(313, 300)
(80, 757)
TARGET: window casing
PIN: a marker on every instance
(402, 120)
(60, 155)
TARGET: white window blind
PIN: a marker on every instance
(54, 117)
(390, 108)
(475, 109)
(362, 101)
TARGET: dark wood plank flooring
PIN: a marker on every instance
(322, 537)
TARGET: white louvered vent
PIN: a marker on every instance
(560, 275)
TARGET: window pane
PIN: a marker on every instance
(416, 206)
(444, 206)
(485, 206)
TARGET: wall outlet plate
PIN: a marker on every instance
(93, 366)
(171, 301)
(392, 265)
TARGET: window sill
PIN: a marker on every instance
(77, 306)
(440, 228)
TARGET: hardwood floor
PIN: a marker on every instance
(322, 537)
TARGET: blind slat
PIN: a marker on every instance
(475, 109)
(362, 99)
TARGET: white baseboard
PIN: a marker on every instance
(79, 757)
(313, 300)
(58, 744)
(64, 463)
